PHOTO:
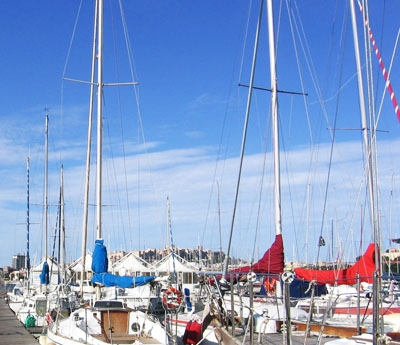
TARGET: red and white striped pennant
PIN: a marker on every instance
(384, 72)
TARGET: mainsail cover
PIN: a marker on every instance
(108, 279)
(364, 267)
(44, 276)
(271, 263)
(99, 259)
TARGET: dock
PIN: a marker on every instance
(12, 331)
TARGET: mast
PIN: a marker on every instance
(370, 178)
(100, 86)
(171, 242)
(99, 158)
(88, 151)
(46, 182)
(62, 227)
(97, 63)
(364, 126)
(276, 155)
(219, 228)
(28, 260)
(275, 128)
(274, 112)
(99, 116)
(44, 277)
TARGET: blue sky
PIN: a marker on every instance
(189, 58)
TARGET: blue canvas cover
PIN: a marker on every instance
(301, 289)
(298, 288)
(99, 260)
(108, 279)
(44, 276)
(187, 299)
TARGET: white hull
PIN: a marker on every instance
(105, 325)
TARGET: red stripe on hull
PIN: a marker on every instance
(364, 311)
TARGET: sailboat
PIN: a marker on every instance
(43, 292)
(358, 291)
(106, 321)
(231, 314)
(34, 309)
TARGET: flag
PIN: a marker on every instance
(321, 242)
(396, 240)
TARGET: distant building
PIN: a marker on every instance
(7, 270)
(115, 256)
(18, 261)
(199, 256)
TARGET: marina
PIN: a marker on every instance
(13, 332)
(113, 295)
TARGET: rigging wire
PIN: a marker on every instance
(295, 31)
(140, 128)
(225, 128)
(330, 163)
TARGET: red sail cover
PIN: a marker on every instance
(271, 263)
(365, 267)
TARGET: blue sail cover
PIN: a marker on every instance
(99, 260)
(108, 279)
(187, 299)
(44, 276)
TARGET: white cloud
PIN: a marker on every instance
(188, 177)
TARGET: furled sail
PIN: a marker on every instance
(364, 267)
(271, 263)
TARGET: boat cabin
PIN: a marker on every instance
(114, 319)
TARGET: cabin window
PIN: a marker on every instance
(108, 304)
(41, 306)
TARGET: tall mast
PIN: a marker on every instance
(99, 115)
(46, 182)
(370, 180)
(62, 223)
(99, 123)
(274, 113)
(28, 260)
(89, 145)
(219, 228)
(364, 126)
(276, 154)
(171, 241)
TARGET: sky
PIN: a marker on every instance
(171, 144)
